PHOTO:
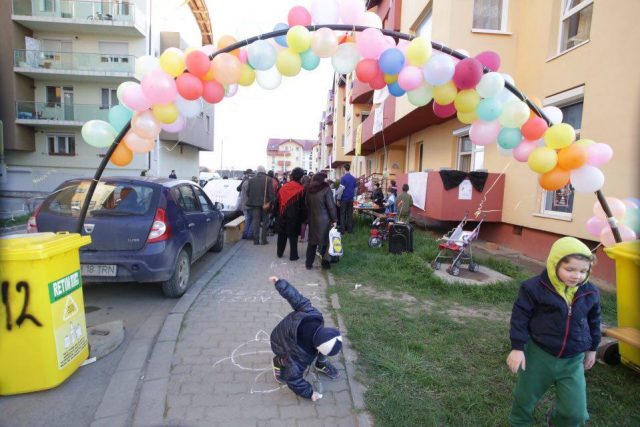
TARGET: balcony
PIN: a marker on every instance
(107, 17)
(55, 114)
(73, 66)
(361, 93)
(283, 163)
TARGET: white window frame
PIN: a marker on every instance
(503, 20)
(55, 137)
(425, 17)
(111, 92)
(567, 14)
(477, 151)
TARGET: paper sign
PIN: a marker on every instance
(465, 190)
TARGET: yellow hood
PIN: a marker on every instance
(560, 249)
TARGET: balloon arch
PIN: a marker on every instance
(171, 88)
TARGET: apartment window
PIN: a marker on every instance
(208, 124)
(48, 5)
(109, 98)
(490, 15)
(364, 115)
(419, 157)
(575, 23)
(114, 51)
(425, 26)
(470, 156)
(61, 145)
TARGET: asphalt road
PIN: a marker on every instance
(74, 402)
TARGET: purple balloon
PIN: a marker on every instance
(444, 111)
(484, 133)
(468, 73)
(595, 225)
(489, 59)
(176, 126)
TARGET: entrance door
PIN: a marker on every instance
(67, 103)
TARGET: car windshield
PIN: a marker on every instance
(109, 198)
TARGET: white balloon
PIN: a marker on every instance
(188, 109)
(346, 58)
(507, 152)
(587, 179)
(508, 78)
(268, 79)
(439, 69)
(144, 64)
(553, 113)
(325, 12)
(463, 52)
(351, 11)
(370, 19)
(490, 85)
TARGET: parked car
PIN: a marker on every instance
(143, 229)
(225, 192)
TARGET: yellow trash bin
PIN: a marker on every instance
(43, 336)
(627, 258)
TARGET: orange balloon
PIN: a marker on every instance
(572, 157)
(225, 41)
(121, 156)
(536, 101)
(226, 68)
(555, 179)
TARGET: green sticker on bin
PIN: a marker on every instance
(63, 287)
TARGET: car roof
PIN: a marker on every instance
(165, 182)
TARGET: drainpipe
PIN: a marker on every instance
(3, 166)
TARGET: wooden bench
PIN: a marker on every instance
(627, 335)
(233, 229)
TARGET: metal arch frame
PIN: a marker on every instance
(339, 27)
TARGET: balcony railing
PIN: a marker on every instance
(73, 61)
(100, 11)
(58, 112)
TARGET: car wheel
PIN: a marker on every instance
(177, 285)
(220, 242)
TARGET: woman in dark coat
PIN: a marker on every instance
(321, 209)
(290, 211)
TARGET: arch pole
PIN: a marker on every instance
(338, 27)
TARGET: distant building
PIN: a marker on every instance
(285, 154)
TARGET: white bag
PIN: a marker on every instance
(335, 242)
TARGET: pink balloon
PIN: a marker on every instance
(243, 56)
(444, 111)
(212, 92)
(522, 150)
(189, 86)
(370, 43)
(208, 49)
(367, 70)
(138, 144)
(298, 15)
(598, 154)
(176, 126)
(351, 11)
(378, 82)
(145, 124)
(607, 239)
(410, 78)
(467, 74)
(159, 87)
(134, 98)
(198, 63)
(484, 133)
(617, 206)
(489, 59)
(595, 225)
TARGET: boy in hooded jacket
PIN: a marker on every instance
(299, 339)
(555, 331)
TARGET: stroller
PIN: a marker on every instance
(456, 246)
(380, 228)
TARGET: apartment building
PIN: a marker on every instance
(283, 155)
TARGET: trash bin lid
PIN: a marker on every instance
(625, 250)
(21, 247)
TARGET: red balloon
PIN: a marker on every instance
(213, 92)
(367, 70)
(467, 74)
(534, 128)
(197, 63)
(378, 82)
(444, 111)
(489, 59)
(189, 86)
(298, 15)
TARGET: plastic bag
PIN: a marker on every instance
(335, 242)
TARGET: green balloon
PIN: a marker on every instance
(119, 116)
(98, 133)
(310, 60)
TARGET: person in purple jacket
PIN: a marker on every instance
(346, 202)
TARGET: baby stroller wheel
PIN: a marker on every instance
(453, 270)
(375, 242)
(474, 267)
(436, 265)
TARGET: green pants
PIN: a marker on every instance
(543, 370)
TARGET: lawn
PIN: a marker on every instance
(16, 220)
(432, 353)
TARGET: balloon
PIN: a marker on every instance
(324, 42)
(121, 156)
(138, 144)
(632, 203)
(247, 77)
(598, 154)
(121, 89)
(198, 63)
(261, 55)
(370, 19)
(626, 234)
(572, 157)
(213, 91)
(351, 11)
(367, 69)
(230, 90)
(484, 133)
(420, 96)
(159, 87)
(119, 117)
(468, 73)
(445, 94)
(632, 219)
(390, 78)
(506, 95)
(345, 59)
(523, 150)
(226, 68)
(288, 62)
(554, 180)
(445, 111)
(466, 101)
(379, 81)
(467, 118)
(324, 11)
(209, 49)
(189, 86)
(542, 160)
(134, 98)
(187, 108)
(145, 124)
(410, 78)
(370, 43)
(489, 109)
(554, 114)
(587, 179)
(559, 136)
(226, 41)
(418, 51)
(514, 114)
(595, 225)
(490, 85)
(534, 128)
(299, 15)
(298, 39)
(584, 142)
(617, 207)
(396, 90)
(439, 70)
(165, 113)
(509, 138)
(172, 61)
(309, 60)
(98, 133)
(391, 61)
(281, 40)
(489, 59)
(176, 126)
(269, 79)
(144, 64)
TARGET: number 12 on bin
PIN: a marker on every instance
(24, 313)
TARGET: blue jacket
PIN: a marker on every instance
(284, 342)
(350, 185)
(563, 330)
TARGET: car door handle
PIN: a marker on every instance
(208, 219)
(191, 225)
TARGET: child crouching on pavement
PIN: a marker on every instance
(555, 331)
(299, 339)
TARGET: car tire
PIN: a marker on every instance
(178, 283)
(217, 247)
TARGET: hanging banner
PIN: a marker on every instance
(418, 188)
(378, 118)
(359, 139)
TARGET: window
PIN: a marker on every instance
(490, 15)
(470, 156)
(48, 6)
(425, 26)
(184, 196)
(61, 145)
(575, 23)
(419, 157)
(109, 98)
(207, 124)
(114, 51)
(204, 201)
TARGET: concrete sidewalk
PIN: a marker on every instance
(211, 364)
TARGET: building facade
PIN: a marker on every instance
(283, 155)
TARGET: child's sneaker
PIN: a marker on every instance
(277, 373)
(327, 369)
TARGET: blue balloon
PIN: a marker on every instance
(489, 109)
(261, 55)
(509, 138)
(281, 40)
(391, 61)
(395, 89)
(119, 116)
(310, 60)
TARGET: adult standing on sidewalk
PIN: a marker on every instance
(242, 204)
(290, 211)
(259, 194)
(322, 213)
(346, 202)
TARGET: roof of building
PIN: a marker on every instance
(306, 144)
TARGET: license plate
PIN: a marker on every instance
(104, 270)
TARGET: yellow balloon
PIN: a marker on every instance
(298, 39)
(390, 78)
(188, 50)
(288, 62)
(467, 100)
(247, 75)
(542, 159)
(419, 51)
(209, 76)
(585, 142)
(559, 136)
(467, 118)
(172, 62)
(445, 94)
(165, 113)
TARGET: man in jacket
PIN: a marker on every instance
(259, 194)
(346, 202)
(242, 204)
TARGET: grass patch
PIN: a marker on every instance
(424, 366)
(16, 220)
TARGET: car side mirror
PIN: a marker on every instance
(219, 206)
